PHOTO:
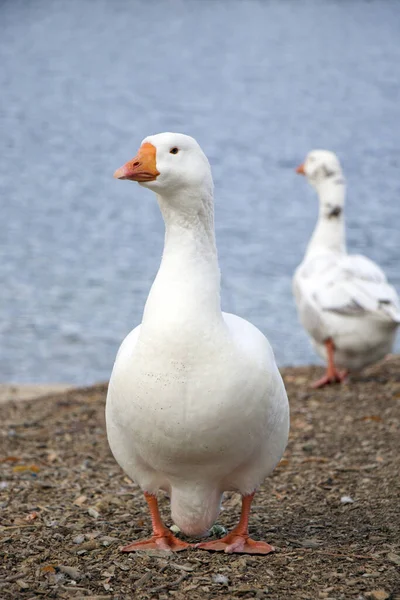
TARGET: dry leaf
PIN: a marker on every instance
(48, 569)
(10, 459)
(80, 500)
(25, 468)
(32, 516)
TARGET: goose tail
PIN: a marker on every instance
(195, 508)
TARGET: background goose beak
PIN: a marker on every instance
(300, 169)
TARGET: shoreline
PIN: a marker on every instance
(11, 392)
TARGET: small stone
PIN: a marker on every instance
(102, 505)
(379, 595)
(217, 530)
(220, 578)
(87, 546)
(106, 540)
(346, 500)
(80, 500)
(79, 539)
(174, 529)
(93, 512)
(308, 447)
(394, 558)
(240, 563)
(22, 584)
(71, 572)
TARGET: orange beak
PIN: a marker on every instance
(300, 169)
(142, 167)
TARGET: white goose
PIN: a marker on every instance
(196, 404)
(344, 301)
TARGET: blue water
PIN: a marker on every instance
(258, 83)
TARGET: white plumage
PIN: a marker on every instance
(340, 297)
(196, 404)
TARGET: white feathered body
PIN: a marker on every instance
(198, 417)
(347, 298)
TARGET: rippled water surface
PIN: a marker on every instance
(258, 83)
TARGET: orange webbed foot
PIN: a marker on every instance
(167, 542)
(234, 543)
(330, 378)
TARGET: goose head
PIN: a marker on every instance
(323, 171)
(319, 167)
(173, 166)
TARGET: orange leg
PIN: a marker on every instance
(332, 375)
(239, 540)
(162, 538)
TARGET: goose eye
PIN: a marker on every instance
(174, 151)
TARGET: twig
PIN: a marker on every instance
(139, 582)
(360, 556)
(167, 563)
(168, 586)
(312, 551)
(12, 578)
(8, 527)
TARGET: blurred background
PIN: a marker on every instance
(257, 83)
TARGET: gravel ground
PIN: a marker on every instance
(331, 508)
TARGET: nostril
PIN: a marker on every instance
(136, 164)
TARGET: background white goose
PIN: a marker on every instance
(344, 301)
(196, 404)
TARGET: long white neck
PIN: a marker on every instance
(186, 291)
(329, 233)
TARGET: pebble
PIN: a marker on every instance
(80, 500)
(87, 546)
(394, 558)
(346, 500)
(92, 512)
(106, 540)
(217, 530)
(219, 578)
(79, 539)
(378, 595)
(71, 572)
(175, 529)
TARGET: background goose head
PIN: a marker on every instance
(320, 166)
(323, 171)
(173, 166)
